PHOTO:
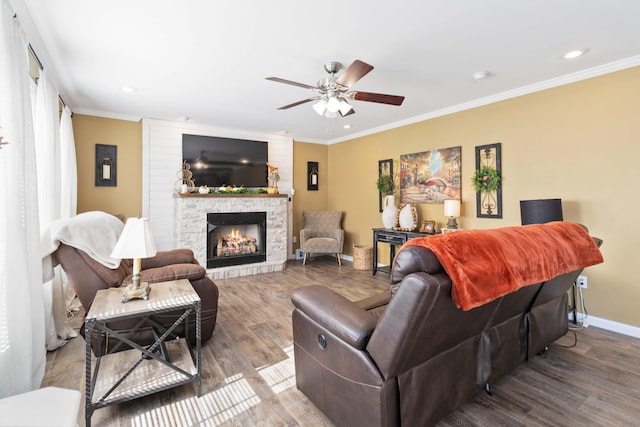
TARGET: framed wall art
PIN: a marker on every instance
(487, 181)
(106, 165)
(430, 176)
(385, 167)
(312, 176)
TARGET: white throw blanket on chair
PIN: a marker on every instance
(95, 233)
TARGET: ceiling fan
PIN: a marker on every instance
(333, 92)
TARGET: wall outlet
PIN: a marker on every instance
(295, 239)
(582, 282)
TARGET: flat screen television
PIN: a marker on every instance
(217, 161)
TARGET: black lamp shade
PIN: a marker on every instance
(540, 211)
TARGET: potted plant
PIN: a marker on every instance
(386, 188)
(385, 185)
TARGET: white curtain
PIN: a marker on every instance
(49, 161)
(69, 168)
(22, 344)
(68, 206)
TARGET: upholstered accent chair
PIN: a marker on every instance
(322, 234)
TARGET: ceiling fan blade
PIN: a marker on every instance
(295, 104)
(355, 72)
(377, 97)
(289, 82)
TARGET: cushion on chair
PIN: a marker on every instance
(321, 245)
(322, 220)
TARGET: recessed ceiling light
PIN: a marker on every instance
(128, 89)
(575, 53)
(479, 75)
(347, 126)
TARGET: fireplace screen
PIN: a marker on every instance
(236, 238)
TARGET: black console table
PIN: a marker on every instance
(393, 238)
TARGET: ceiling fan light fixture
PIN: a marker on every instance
(330, 114)
(320, 107)
(333, 105)
(345, 107)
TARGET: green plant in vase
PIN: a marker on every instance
(385, 185)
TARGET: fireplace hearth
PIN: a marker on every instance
(236, 238)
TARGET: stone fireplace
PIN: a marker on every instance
(236, 238)
(219, 245)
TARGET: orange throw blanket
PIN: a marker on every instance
(487, 264)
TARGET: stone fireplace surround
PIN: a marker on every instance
(190, 228)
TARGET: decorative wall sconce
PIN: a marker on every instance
(312, 176)
(106, 162)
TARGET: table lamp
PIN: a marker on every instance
(452, 210)
(135, 242)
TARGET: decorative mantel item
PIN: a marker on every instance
(184, 184)
(274, 177)
(487, 181)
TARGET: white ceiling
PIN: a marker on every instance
(207, 60)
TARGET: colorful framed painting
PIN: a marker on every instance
(431, 176)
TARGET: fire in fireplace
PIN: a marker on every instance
(236, 238)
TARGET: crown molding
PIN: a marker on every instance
(525, 90)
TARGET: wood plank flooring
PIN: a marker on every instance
(249, 379)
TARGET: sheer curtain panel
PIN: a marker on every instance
(22, 347)
(69, 168)
(48, 160)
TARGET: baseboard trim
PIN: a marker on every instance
(610, 325)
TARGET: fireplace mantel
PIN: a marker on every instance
(232, 195)
(190, 227)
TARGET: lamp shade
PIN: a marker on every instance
(452, 208)
(540, 211)
(136, 240)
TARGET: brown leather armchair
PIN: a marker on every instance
(87, 276)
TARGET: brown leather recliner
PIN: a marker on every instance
(87, 276)
(409, 356)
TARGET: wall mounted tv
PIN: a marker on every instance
(217, 161)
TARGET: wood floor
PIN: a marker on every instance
(249, 378)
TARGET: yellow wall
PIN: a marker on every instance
(126, 198)
(304, 199)
(579, 142)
